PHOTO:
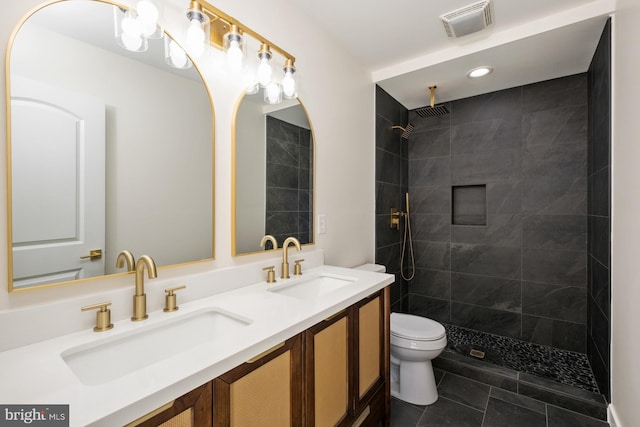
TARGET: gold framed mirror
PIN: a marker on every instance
(106, 150)
(273, 174)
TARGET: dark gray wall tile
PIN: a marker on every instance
(388, 196)
(554, 333)
(501, 230)
(433, 227)
(469, 205)
(600, 287)
(482, 168)
(486, 319)
(555, 267)
(567, 232)
(500, 104)
(504, 196)
(556, 93)
(386, 138)
(432, 308)
(388, 167)
(486, 260)
(600, 193)
(556, 302)
(429, 172)
(430, 143)
(487, 135)
(388, 107)
(432, 255)
(429, 199)
(490, 292)
(431, 283)
(600, 239)
(557, 195)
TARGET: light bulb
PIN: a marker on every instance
(148, 14)
(288, 85)
(264, 72)
(272, 93)
(131, 41)
(234, 56)
(178, 55)
(131, 25)
(195, 38)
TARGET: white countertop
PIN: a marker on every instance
(37, 374)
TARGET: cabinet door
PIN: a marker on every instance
(327, 367)
(265, 391)
(193, 409)
(369, 349)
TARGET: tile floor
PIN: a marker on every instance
(467, 403)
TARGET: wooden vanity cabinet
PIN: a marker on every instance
(346, 366)
(194, 409)
(335, 373)
(265, 391)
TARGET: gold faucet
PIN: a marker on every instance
(140, 299)
(270, 238)
(285, 256)
(126, 256)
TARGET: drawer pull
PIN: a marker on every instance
(264, 353)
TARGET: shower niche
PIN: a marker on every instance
(469, 205)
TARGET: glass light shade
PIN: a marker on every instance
(273, 93)
(149, 12)
(264, 71)
(288, 81)
(175, 55)
(234, 47)
(128, 30)
(198, 31)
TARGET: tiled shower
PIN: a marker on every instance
(510, 201)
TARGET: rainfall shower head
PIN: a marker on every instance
(406, 131)
(432, 110)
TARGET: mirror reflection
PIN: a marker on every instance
(110, 150)
(273, 180)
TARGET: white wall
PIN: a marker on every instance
(338, 95)
(625, 268)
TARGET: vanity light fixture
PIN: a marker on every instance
(288, 81)
(128, 30)
(232, 37)
(234, 47)
(198, 30)
(264, 67)
(479, 72)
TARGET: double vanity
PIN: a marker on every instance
(300, 349)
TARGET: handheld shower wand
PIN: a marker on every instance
(407, 236)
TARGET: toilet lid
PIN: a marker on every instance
(416, 327)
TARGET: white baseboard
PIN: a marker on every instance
(612, 416)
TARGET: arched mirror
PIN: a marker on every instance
(107, 150)
(273, 184)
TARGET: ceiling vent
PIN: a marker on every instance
(468, 19)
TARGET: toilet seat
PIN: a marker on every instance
(416, 328)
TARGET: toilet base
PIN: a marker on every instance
(417, 383)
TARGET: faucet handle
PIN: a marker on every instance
(271, 273)
(103, 316)
(297, 268)
(170, 299)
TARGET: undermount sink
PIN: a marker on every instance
(312, 287)
(114, 357)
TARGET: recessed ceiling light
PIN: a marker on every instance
(479, 72)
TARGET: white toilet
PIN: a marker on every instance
(415, 341)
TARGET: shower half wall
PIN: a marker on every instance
(510, 197)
